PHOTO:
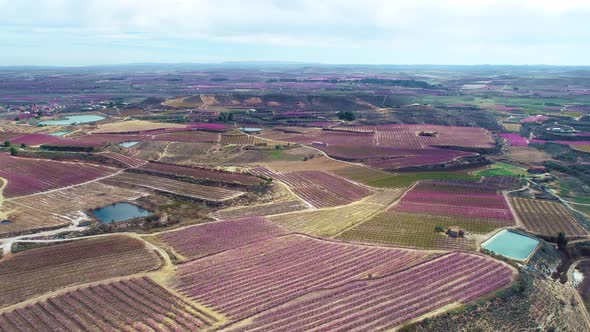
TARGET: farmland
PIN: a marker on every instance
(61, 207)
(416, 230)
(392, 147)
(125, 160)
(547, 218)
(382, 304)
(201, 173)
(37, 271)
(290, 197)
(469, 200)
(318, 188)
(330, 221)
(133, 126)
(204, 240)
(523, 306)
(30, 176)
(134, 304)
(312, 265)
(261, 209)
(501, 169)
(175, 187)
(241, 139)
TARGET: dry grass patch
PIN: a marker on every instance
(134, 126)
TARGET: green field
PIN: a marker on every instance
(407, 179)
(582, 208)
(502, 169)
(416, 230)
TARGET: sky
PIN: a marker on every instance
(95, 32)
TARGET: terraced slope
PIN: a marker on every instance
(128, 305)
(36, 271)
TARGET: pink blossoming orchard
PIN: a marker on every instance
(294, 198)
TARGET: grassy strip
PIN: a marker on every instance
(417, 230)
(502, 169)
(407, 179)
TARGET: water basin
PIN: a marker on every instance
(72, 119)
(511, 245)
(120, 212)
(128, 144)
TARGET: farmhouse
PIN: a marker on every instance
(455, 232)
(537, 169)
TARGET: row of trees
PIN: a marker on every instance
(13, 150)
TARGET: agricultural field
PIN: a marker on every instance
(30, 176)
(332, 221)
(37, 271)
(321, 163)
(547, 218)
(512, 127)
(198, 154)
(133, 126)
(406, 288)
(201, 173)
(403, 180)
(132, 304)
(502, 169)
(583, 148)
(261, 209)
(458, 199)
(417, 231)
(192, 136)
(289, 197)
(61, 207)
(175, 187)
(148, 150)
(382, 304)
(319, 189)
(310, 265)
(127, 161)
(391, 147)
(212, 238)
(530, 303)
(242, 139)
(527, 155)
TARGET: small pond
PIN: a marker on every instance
(72, 119)
(120, 212)
(5, 222)
(250, 130)
(511, 245)
(128, 144)
(60, 133)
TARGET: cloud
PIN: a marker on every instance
(415, 27)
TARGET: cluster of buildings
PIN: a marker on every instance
(22, 112)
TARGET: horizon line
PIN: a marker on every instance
(278, 62)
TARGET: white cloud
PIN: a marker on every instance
(408, 26)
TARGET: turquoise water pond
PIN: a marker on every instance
(511, 244)
(72, 119)
(60, 133)
(120, 212)
(251, 130)
(128, 144)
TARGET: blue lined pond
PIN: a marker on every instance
(72, 119)
(128, 144)
(511, 245)
(120, 212)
